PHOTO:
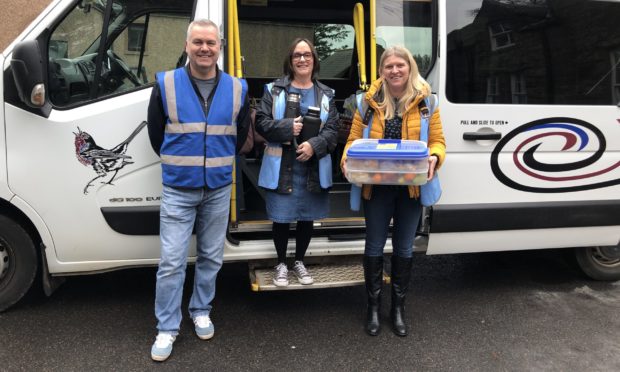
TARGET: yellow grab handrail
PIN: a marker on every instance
(235, 69)
(230, 37)
(373, 40)
(238, 65)
(358, 24)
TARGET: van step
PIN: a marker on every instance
(326, 275)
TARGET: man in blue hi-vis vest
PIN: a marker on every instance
(198, 119)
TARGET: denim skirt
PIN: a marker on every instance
(299, 205)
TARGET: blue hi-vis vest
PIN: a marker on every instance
(194, 154)
(272, 158)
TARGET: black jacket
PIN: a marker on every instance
(280, 131)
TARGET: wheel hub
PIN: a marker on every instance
(611, 252)
(607, 256)
(4, 261)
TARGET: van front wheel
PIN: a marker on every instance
(18, 262)
(599, 263)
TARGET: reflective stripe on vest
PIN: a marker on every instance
(196, 154)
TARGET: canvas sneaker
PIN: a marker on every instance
(280, 276)
(303, 276)
(162, 348)
(204, 327)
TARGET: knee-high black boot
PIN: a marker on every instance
(401, 273)
(373, 276)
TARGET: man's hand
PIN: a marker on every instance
(304, 151)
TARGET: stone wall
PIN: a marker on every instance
(15, 16)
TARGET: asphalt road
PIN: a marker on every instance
(518, 311)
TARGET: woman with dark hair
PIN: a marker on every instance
(296, 176)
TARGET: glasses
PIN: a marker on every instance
(297, 56)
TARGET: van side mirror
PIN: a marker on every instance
(27, 67)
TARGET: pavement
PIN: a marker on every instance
(513, 311)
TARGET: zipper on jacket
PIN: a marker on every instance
(204, 165)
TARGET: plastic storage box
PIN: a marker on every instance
(387, 162)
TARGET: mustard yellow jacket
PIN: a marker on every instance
(410, 130)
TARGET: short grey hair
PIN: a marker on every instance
(203, 23)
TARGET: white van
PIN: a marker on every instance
(528, 90)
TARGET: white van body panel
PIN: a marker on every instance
(495, 241)
(39, 224)
(468, 179)
(5, 193)
(46, 148)
(43, 20)
(212, 10)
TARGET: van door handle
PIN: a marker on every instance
(475, 136)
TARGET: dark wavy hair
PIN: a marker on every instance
(288, 61)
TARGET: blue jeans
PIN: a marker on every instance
(180, 208)
(386, 203)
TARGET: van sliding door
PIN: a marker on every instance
(529, 102)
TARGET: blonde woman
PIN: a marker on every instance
(395, 100)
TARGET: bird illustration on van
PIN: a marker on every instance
(103, 161)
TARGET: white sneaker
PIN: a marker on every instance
(162, 348)
(280, 277)
(303, 276)
(204, 327)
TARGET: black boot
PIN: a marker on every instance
(373, 275)
(401, 273)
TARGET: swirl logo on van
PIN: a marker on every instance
(554, 155)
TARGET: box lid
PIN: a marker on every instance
(387, 149)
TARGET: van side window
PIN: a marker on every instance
(140, 40)
(71, 67)
(407, 23)
(533, 52)
(158, 48)
(615, 59)
(264, 45)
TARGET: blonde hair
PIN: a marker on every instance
(415, 83)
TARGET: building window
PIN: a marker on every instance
(492, 89)
(134, 37)
(517, 88)
(501, 35)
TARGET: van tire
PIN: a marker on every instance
(599, 263)
(18, 262)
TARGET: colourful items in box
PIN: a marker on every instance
(387, 162)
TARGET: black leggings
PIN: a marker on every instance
(302, 239)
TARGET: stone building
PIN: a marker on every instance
(16, 15)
